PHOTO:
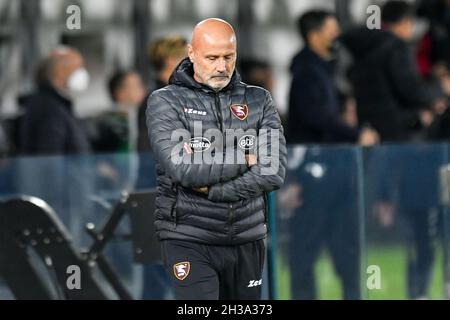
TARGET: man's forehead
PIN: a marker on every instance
(208, 41)
(67, 58)
(331, 21)
(212, 38)
(219, 48)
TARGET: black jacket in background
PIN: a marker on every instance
(143, 144)
(386, 84)
(146, 166)
(50, 127)
(313, 115)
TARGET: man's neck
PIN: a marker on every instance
(321, 52)
(61, 90)
(197, 78)
(395, 31)
(124, 108)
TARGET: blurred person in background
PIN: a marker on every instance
(393, 98)
(347, 110)
(313, 115)
(4, 145)
(434, 48)
(164, 55)
(49, 125)
(118, 128)
(259, 73)
(433, 60)
(116, 131)
(4, 148)
(256, 72)
(317, 115)
(390, 94)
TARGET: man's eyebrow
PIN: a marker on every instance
(218, 55)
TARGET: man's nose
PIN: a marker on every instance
(221, 65)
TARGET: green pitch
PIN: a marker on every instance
(392, 263)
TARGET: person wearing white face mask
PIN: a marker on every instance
(78, 80)
(49, 125)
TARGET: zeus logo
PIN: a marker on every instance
(254, 283)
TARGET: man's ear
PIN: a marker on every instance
(191, 53)
(311, 37)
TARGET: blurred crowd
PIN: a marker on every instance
(48, 125)
(396, 92)
(366, 86)
(395, 89)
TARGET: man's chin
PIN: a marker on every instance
(219, 85)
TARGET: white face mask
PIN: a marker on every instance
(78, 80)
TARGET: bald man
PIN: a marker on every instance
(220, 149)
(49, 124)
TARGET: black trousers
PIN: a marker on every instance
(207, 272)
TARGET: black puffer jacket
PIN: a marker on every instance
(233, 211)
(49, 125)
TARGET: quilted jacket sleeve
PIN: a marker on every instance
(269, 172)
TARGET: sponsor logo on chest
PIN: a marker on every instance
(195, 111)
(240, 111)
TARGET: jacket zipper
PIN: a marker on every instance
(230, 206)
(231, 217)
(219, 110)
(220, 123)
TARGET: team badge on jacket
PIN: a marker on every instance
(181, 270)
(240, 111)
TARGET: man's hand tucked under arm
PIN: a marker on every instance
(201, 190)
(250, 159)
